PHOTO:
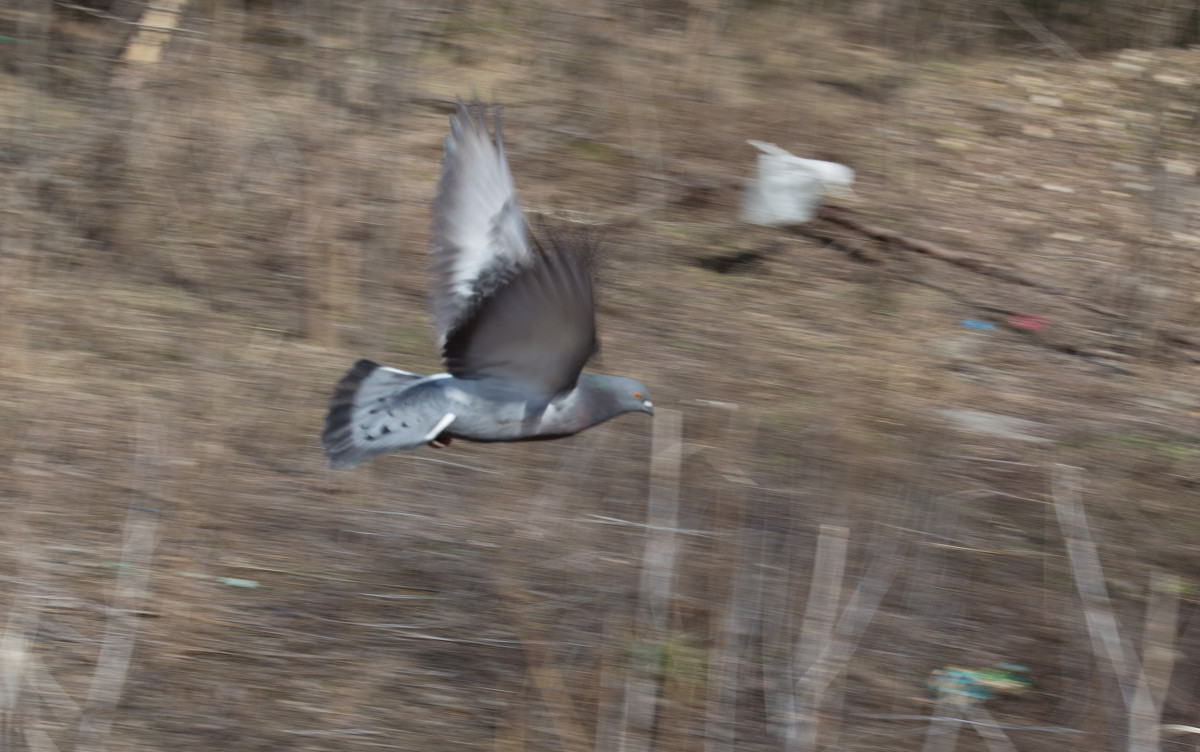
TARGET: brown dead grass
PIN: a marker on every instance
(210, 251)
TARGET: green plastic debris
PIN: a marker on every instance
(982, 685)
(235, 582)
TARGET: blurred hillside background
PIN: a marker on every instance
(933, 457)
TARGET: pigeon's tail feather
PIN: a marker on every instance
(368, 417)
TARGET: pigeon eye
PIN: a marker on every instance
(638, 395)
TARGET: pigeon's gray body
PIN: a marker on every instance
(515, 322)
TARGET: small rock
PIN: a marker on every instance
(1131, 67)
(1067, 237)
(1028, 82)
(955, 144)
(1170, 79)
(961, 350)
(1004, 180)
(1037, 131)
(1180, 167)
(1046, 101)
(1056, 188)
(1004, 426)
(1138, 56)
(1124, 167)
(1137, 116)
(998, 106)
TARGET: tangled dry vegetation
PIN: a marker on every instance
(849, 490)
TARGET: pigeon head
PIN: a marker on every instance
(610, 396)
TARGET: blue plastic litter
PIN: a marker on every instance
(983, 326)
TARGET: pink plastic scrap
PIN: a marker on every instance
(1028, 322)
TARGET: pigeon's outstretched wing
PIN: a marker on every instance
(537, 329)
(375, 411)
(479, 237)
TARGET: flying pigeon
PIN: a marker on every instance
(515, 322)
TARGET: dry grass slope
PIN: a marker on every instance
(855, 490)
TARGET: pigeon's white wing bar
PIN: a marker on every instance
(446, 420)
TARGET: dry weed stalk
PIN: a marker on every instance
(1158, 660)
(27, 688)
(1089, 578)
(542, 673)
(948, 716)
(120, 634)
(811, 659)
(15, 667)
(657, 580)
(15, 262)
(129, 596)
(942, 733)
(723, 658)
(831, 648)
(545, 676)
(332, 265)
(1143, 687)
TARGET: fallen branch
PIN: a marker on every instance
(974, 263)
(843, 218)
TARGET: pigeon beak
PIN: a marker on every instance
(647, 406)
